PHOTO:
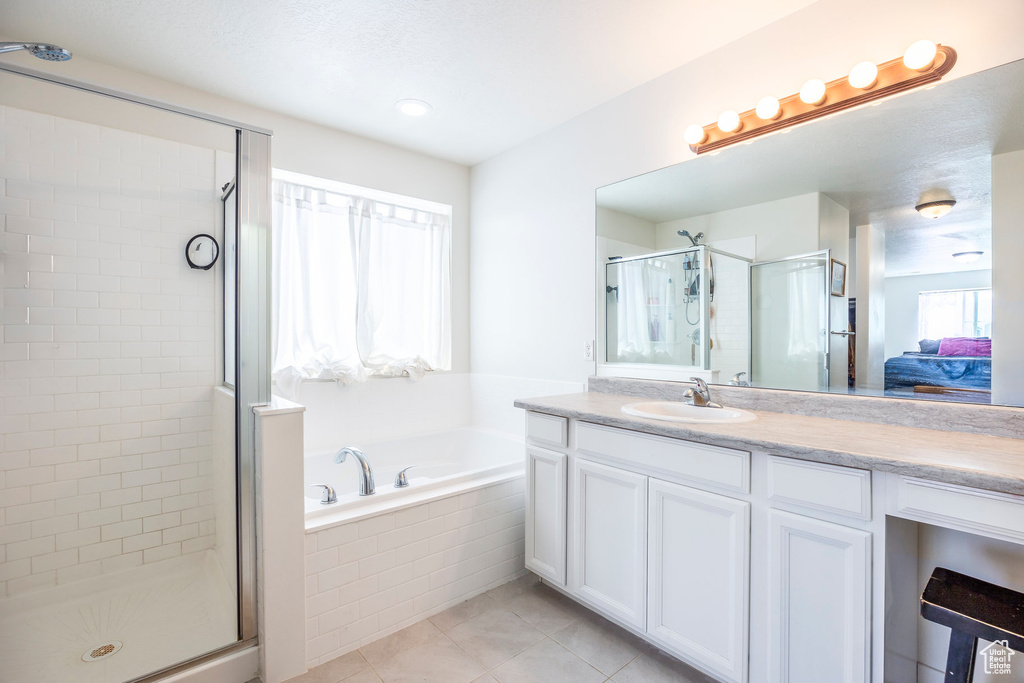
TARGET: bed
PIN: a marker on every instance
(915, 369)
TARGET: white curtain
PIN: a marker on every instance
(361, 288)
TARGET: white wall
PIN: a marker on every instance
(870, 350)
(1007, 278)
(901, 295)
(533, 206)
(834, 234)
(621, 227)
(784, 227)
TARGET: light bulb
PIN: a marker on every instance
(768, 108)
(920, 55)
(413, 107)
(864, 75)
(694, 135)
(813, 91)
(729, 121)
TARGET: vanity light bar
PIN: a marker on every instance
(924, 62)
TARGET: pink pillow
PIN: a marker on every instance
(965, 346)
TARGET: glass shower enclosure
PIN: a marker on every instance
(677, 313)
(790, 311)
(127, 518)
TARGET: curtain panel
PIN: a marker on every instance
(361, 288)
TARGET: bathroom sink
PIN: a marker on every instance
(675, 411)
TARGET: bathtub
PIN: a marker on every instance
(444, 463)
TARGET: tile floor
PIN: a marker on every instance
(521, 632)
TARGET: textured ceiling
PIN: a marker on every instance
(876, 161)
(496, 72)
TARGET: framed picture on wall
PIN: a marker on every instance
(838, 278)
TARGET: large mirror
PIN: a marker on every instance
(878, 251)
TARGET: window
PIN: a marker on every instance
(954, 313)
(362, 283)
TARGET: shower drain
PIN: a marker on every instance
(95, 654)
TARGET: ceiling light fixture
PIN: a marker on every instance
(412, 107)
(923, 63)
(967, 256)
(935, 209)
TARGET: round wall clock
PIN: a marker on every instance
(202, 251)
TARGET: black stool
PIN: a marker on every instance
(972, 609)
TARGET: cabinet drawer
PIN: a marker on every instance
(814, 486)
(699, 463)
(547, 429)
(997, 515)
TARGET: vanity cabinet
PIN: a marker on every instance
(819, 601)
(608, 560)
(546, 513)
(698, 576)
(659, 534)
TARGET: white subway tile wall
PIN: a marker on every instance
(730, 326)
(108, 355)
(369, 578)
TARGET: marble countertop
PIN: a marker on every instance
(993, 463)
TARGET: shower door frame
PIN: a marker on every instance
(827, 254)
(252, 322)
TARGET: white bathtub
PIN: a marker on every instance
(445, 463)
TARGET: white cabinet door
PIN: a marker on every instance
(820, 588)
(698, 568)
(608, 567)
(545, 513)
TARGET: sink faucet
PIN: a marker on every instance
(700, 395)
(738, 381)
(365, 471)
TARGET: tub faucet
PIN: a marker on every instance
(365, 471)
(700, 395)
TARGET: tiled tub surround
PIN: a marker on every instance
(368, 578)
(377, 564)
(994, 463)
(441, 463)
(108, 354)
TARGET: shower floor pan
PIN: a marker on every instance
(120, 626)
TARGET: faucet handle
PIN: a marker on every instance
(738, 381)
(329, 496)
(400, 480)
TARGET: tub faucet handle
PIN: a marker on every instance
(400, 481)
(329, 496)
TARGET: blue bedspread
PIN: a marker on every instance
(956, 372)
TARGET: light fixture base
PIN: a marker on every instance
(893, 77)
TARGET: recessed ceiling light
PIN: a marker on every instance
(413, 107)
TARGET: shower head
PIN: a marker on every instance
(51, 53)
(694, 240)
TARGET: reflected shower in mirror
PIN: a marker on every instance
(851, 255)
